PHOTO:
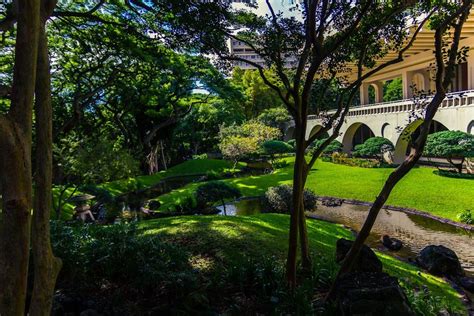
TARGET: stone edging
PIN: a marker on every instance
(404, 210)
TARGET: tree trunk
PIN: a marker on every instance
(223, 205)
(46, 265)
(298, 183)
(384, 194)
(15, 164)
(304, 243)
(458, 166)
(392, 180)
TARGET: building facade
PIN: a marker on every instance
(374, 117)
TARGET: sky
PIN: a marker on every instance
(278, 5)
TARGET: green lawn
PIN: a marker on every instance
(187, 168)
(190, 167)
(220, 240)
(420, 189)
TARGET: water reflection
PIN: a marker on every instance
(416, 232)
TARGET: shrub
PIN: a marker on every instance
(279, 164)
(453, 174)
(450, 145)
(466, 217)
(214, 191)
(292, 143)
(115, 254)
(343, 159)
(275, 147)
(373, 147)
(334, 146)
(200, 157)
(279, 199)
(238, 142)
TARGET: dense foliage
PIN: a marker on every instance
(276, 147)
(334, 146)
(87, 160)
(242, 141)
(450, 145)
(279, 199)
(373, 147)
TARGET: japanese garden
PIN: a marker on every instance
(257, 157)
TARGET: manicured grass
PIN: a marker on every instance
(187, 168)
(421, 189)
(190, 167)
(221, 240)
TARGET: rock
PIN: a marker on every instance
(467, 283)
(391, 243)
(370, 293)
(154, 204)
(367, 260)
(332, 202)
(439, 260)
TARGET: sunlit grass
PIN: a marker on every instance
(228, 239)
(420, 189)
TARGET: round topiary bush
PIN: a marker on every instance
(373, 147)
(279, 199)
(334, 147)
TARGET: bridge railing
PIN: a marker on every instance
(453, 99)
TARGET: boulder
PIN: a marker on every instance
(332, 202)
(439, 260)
(370, 293)
(391, 243)
(154, 204)
(367, 260)
(467, 283)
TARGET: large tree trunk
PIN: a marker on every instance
(458, 165)
(46, 265)
(15, 164)
(297, 220)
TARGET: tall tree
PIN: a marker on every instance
(15, 160)
(447, 23)
(331, 39)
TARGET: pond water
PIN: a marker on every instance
(415, 231)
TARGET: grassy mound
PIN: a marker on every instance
(213, 264)
(187, 168)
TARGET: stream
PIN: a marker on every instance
(415, 231)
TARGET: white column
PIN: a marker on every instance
(426, 78)
(470, 70)
(378, 91)
(406, 83)
(364, 94)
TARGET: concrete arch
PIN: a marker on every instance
(314, 130)
(387, 131)
(403, 141)
(356, 134)
(470, 127)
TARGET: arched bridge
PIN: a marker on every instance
(391, 120)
